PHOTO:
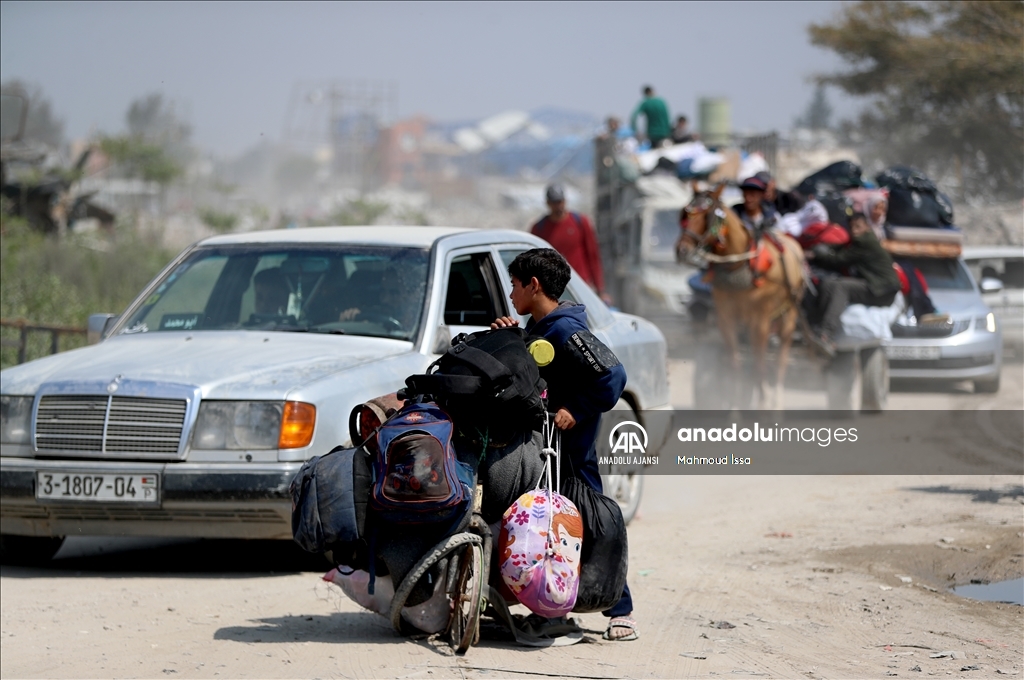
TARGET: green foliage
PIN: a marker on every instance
(220, 222)
(140, 159)
(945, 82)
(61, 282)
(357, 212)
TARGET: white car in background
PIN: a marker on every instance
(244, 358)
(999, 271)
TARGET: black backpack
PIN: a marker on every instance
(485, 378)
(329, 500)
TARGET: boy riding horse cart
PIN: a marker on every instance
(758, 279)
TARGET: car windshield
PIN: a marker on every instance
(943, 274)
(358, 290)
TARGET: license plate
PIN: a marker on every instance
(903, 352)
(101, 487)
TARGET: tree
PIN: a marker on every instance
(945, 84)
(818, 115)
(41, 124)
(157, 144)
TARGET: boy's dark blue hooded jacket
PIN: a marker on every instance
(585, 377)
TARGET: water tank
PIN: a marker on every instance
(715, 121)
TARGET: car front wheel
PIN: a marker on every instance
(28, 550)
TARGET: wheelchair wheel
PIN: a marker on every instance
(466, 593)
(458, 542)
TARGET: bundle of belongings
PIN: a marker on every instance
(909, 218)
(470, 432)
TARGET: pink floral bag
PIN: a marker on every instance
(540, 544)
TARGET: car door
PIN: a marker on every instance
(473, 295)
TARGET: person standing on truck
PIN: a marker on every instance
(585, 379)
(573, 237)
(655, 113)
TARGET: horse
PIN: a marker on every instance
(753, 285)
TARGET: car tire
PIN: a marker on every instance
(28, 551)
(986, 386)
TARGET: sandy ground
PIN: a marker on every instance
(789, 577)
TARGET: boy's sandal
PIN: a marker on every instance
(621, 622)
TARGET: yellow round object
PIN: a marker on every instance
(542, 351)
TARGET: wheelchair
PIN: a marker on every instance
(463, 557)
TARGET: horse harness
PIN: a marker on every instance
(728, 270)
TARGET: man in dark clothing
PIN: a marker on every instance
(571, 235)
(877, 284)
(655, 111)
(757, 214)
(584, 379)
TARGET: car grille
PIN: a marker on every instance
(936, 330)
(111, 426)
(952, 362)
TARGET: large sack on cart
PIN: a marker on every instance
(487, 379)
(508, 469)
(329, 502)
(914, 199)
(836, 177)
(605, 556)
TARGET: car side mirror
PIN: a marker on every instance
(98, 326)
(442, 340)
(991, 285)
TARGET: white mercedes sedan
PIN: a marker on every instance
(242, 359)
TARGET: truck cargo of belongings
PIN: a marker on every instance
(914, 200)
(691, 160)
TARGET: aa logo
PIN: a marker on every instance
(628, 437)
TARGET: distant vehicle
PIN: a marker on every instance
(244, 358)
(999, 271)
(968, 345)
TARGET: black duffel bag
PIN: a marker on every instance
(836, 177)
(485, 378)
(914, 199)
(329, 499)
(605, 554)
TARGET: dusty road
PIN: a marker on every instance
(794, 577)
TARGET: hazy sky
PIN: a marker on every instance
(232, 66)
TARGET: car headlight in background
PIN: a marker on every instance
(15, 420)
(986, 323)
(254, 425)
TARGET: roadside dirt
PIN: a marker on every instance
(731, 576)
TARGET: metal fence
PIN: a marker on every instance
(25, 327)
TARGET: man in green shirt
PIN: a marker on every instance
(655, 111)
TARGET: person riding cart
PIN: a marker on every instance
(875, 283)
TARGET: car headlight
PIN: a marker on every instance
(15, 420)
(254, 425)
(986, 323)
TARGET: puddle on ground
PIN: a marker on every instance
(1003, 591)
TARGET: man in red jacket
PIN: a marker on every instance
(571, 235)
